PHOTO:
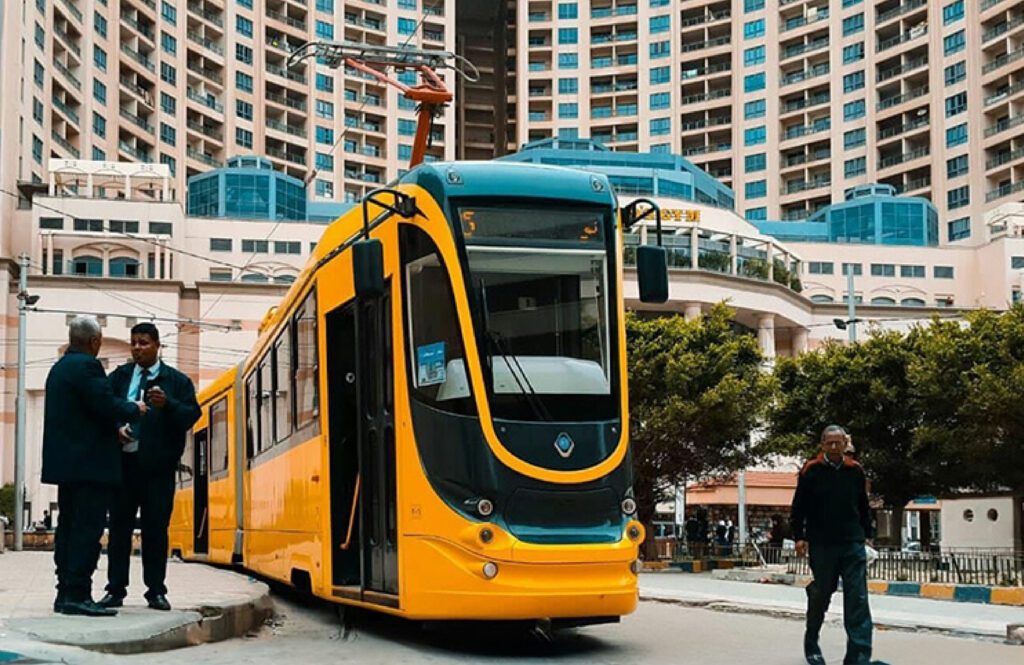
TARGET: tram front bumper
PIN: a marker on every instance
(445, 580)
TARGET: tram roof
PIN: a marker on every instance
(494, 179)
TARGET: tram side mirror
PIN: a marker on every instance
(652, 273)
(368, 268)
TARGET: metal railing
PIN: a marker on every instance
(205, 130)
(990, 568)
(67, 74)
(900, 39)
(138, 57)
(805, 102)
(66, 110)
(1002, 28)
(889, 73)
(287, 101)
(905, 97)
(1004, 157)
(136, 120)
(803, 75)
(1004, 59)
(205, 43)
(902, 129)
(900, 11)
(73, 9)
(66, 38)
(893, 160)
(203, 157)
(1004, 190)
(206, 101)
(279, 16)
(1003, 125)
(197, 9)
(63, 142)
(714, 94)
(709, 43)
(1003, 94)
(792, 51)
(801, 21)
(144, 30)
(208, 73)
(709, 17)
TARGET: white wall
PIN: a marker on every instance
(982, 530)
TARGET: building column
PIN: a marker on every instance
(106, 262)
(771, 262)
(733, 255)
(89, 186)
(156, 261)
(128, 188)
(692, 310)
(694, 248)
(799, 343)
(766, 335)
(48, 270)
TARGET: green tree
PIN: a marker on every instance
(696, 391)
(868, 389)
(7, 501)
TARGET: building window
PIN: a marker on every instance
(324, 188)
(324, 30)
(406, 26)
(287, 247)
(245, 3)
(243, 26)
(168, 104)
(407, 4)
(857, 269)
(220, 274)
(758, 162)
(170, 162)
(853, 53)
(820, 267)
(956, 166)
(883, 270)
(753, 29)
(754, 135)
(243, 109)
(661, 100)
(568, 61)
(956, 73)
(160, 228)
(324, 109)
(752, 6)
(243, 54)
(855, 167)
(167, 134)
(99, 92)
(953, 12)
(37, 110)
(660, 24)
(753, 56)
(569, 110)
(243, 137)
(661, 148)
(853, 24)
(954, 43)
(52, 223)
(37, 149)
(567, 10)
(243, 81)
(854, 81)
(99, 22)
(87, 266)
(220, 244)
(324, 162)
(404, 151)
(568, 86)
(568, 36)
(853, 110)
(956, 135)
(38, 73)
(255, 246)
(89, 225)
(124, 267)
(99, 125)
(168, 74)
(912, 271)
(324, 83)
(168, 43)
(758, 189)
(660, 126)
(659, 49)
(169, 13)
(959, 229)
(943, 272)
(406, 127)
(325, 135)
(854, 138)
(99, 57)
(754, 109)
(759, 214)
(661, 75)
(958, 197)
(753, 82)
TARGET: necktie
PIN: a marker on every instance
(142, 385)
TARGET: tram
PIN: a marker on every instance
(433, 422)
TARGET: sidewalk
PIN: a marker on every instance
(989, 621)
(209, 605)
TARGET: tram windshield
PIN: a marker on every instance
(540, 281)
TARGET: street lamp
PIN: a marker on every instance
(24, 302)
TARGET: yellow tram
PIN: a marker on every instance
(433, 423)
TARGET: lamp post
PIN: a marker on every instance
(850, 324)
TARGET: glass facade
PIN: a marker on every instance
(248, 188)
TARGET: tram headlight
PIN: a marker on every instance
(486, 535)
(484, 507)
(633, 532)
(490, 570)
(629, 505)
(636, 566)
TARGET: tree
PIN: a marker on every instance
(7, 501)
(868, 389)
(696, 391)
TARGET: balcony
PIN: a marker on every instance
(710, 43)
(1005, 93)
(704, 71)
(1003, 125)
(294, 130)
(1004, 190)
(714, 94)
(605, 12)
(988, 4)
(140, 155)
(203, 157)
(141, 29)
(802, 158)
(1004, 59)
(138, 57)
(205, 43)
(813, 72)
(1001, 29)
(800, 21)
(805, 185)
(197, 9)
(208, 73)
(799, 49)
(63, 142)
(137, 120)
(288, 20)
(914, 185)
(905, 8)
(67, 41)
(206, 100)
(287, 156)
(1004, 157)
(905, 97)
(808, 130)
(893, 160)
(205, 130)
(73, 9)
(66, 110)
(287, 101)
(370, 24)
(67, 74)
(539, 17)
(701, 124)
(893, 42)
(707, 149)
(910, 65)
(709, 17)
(806, 102)
(904, 128)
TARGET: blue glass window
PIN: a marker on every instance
(853, 53)
(328, 6)
(568, 10)
(753, 56)
(660, 24)
(99, 56)
(99, 125)
(758, 162)
(953, 12)
(757, 214)
(954, 43)
(854, 138)
(660, 126)
(243, 26)
(568, 61)
(324, 30)
(958, 229)
(956, 166)
(324, 83)
(958, 197)
(955, 73)
(660, 100)
(660, 49)
(753, 29)
(851, 3)
(752, 5)
(167, 133)
(753, 82)
(854, 81)
(406, 127)
(406, 26)
(944, 272)
(569, 110)
(661, 75)
(568, 86)
(324, 109)
(243, 137)
(168, 74)
(243, 81)
(756, 189)
(853, 24)
(855, 167)
(243, 109)
(956, 104)
(324, 162)
(169, 13)
(755, 135)
(101, 24)
(99, 91)
(324, 135)
(853, 110)
(243, 54)
(956, 135)
(568, 36)
(754, 109)
(168, 43)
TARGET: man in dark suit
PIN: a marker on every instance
(81, 456)
(150, 456)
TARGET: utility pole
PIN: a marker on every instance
(19, 423)
(851, 307)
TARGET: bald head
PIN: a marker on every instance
(85, 334)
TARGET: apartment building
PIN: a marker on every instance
(190, 83)
(791, 102)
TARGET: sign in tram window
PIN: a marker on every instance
(532, 223)
(430, 364)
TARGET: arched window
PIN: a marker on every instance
(124, 266)
(821, 297)
(882, 300)
(284, 279)
(255, 277)
(87, 265)
(912, 302)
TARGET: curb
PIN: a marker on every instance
(210, 623)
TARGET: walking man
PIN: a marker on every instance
(150, 456)
(81, 457)
(831, 519)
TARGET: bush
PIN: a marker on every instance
(7, 501)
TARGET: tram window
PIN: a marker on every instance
(219, 436)
(307, 399)
(266, 438)
(283, 386)
(252, 415)
(436, 355)
(185, 463)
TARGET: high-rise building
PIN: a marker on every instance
(791, 102)
(191, 83)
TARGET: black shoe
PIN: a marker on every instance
(58, 604)
(86, 608)
(159, 602)
(812, 653)
(110, 601)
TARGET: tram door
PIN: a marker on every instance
(375, 382)
(201, 493)
(343, 422)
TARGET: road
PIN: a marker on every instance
(310, 633)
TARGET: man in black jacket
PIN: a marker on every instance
(81, 456)
(150, 456)
(832, 519)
